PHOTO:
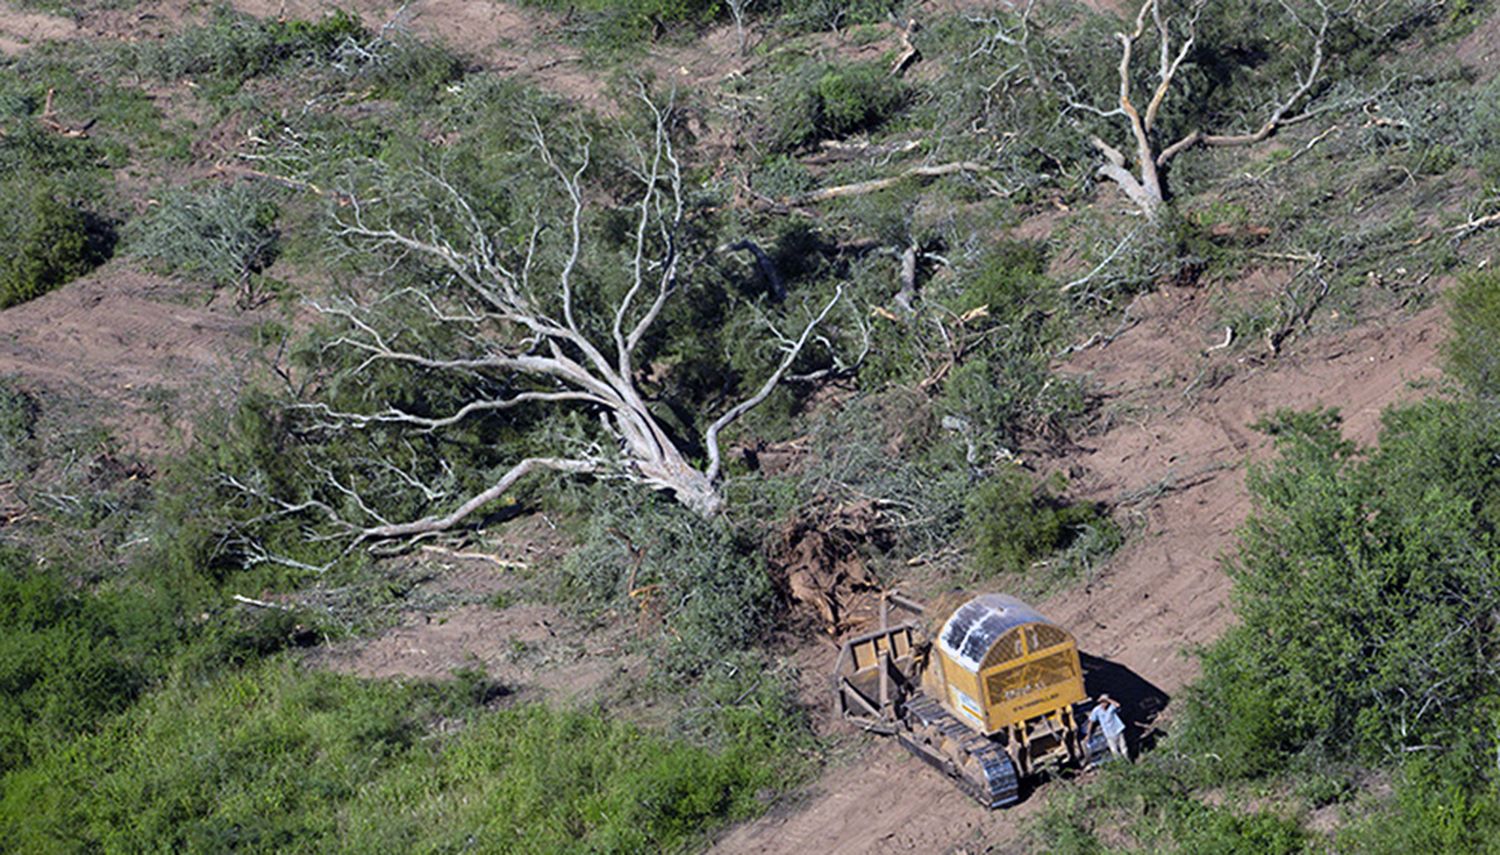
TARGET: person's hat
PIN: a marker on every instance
(1106, 699)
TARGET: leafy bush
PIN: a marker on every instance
(61, 664)
(1015, 522)
(1200, 828)
(1010, 279)
(225, 234)
(1356, 583)
(1442, 803)
(534, 780)
(629, 24)
(398, 66)
(232, 48)
(701, 585)
(279, 758)
(1003, 388)
(1474, 347)
(30, 149)
(47, 240)
(18, 419)
(827, 101)
(813, 15)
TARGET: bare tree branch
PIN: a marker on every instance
(431, 524)
(711, 437)
(860, 188)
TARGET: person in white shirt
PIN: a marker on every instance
(1106, 715)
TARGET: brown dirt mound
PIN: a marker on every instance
(20, 30)
(1174, 459)
(134, 343)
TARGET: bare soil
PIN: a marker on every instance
(1174, 458)
(145, 349)
(528, 649)
(20, 30)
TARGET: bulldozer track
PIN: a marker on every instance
(983, 769)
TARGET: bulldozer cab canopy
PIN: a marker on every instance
(980, 632)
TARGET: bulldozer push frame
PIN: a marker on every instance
(994, 701)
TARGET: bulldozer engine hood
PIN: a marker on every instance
(974, 627)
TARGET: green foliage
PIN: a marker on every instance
(703, 585)
(49, 233)
(232, 48)
(1356, 583)
(48, 241)
(783, 177)
(278, 758)
(262, 759)
(1200, 828)
(1015, 522)
(1442, 803)
(1003, 389)
(835, 15)
(629, 25)
(62, 666)
(1153, 805)
(819, 101)
(1474, 346)
(30, 149)
(224, 234)
(1010, 279)
(402, 67)
(19, 413)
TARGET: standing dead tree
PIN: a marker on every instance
(1169, 29)
(528, 322)
(1176, 37)
(1145, 185)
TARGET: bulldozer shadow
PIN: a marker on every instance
(1141, 702)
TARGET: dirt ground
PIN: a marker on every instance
(145, 348)
(19, 30)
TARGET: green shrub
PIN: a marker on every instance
(400, 66)
(783, 177)
(62, 666)
(701, 585)
(224, 234)
(232, 48)
(1009, 280)
(18, 418)
(1442, 803)
(827, 101)
(278, 758)
(1207, 830)
(629, 25)
(1355, 583)
(47, 240)
(814, 15)
(30, 149)
(1474, 347)
(1003, 389)
(1015, 522)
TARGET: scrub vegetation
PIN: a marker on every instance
(671, 317)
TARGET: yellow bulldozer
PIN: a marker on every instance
(994, 699)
